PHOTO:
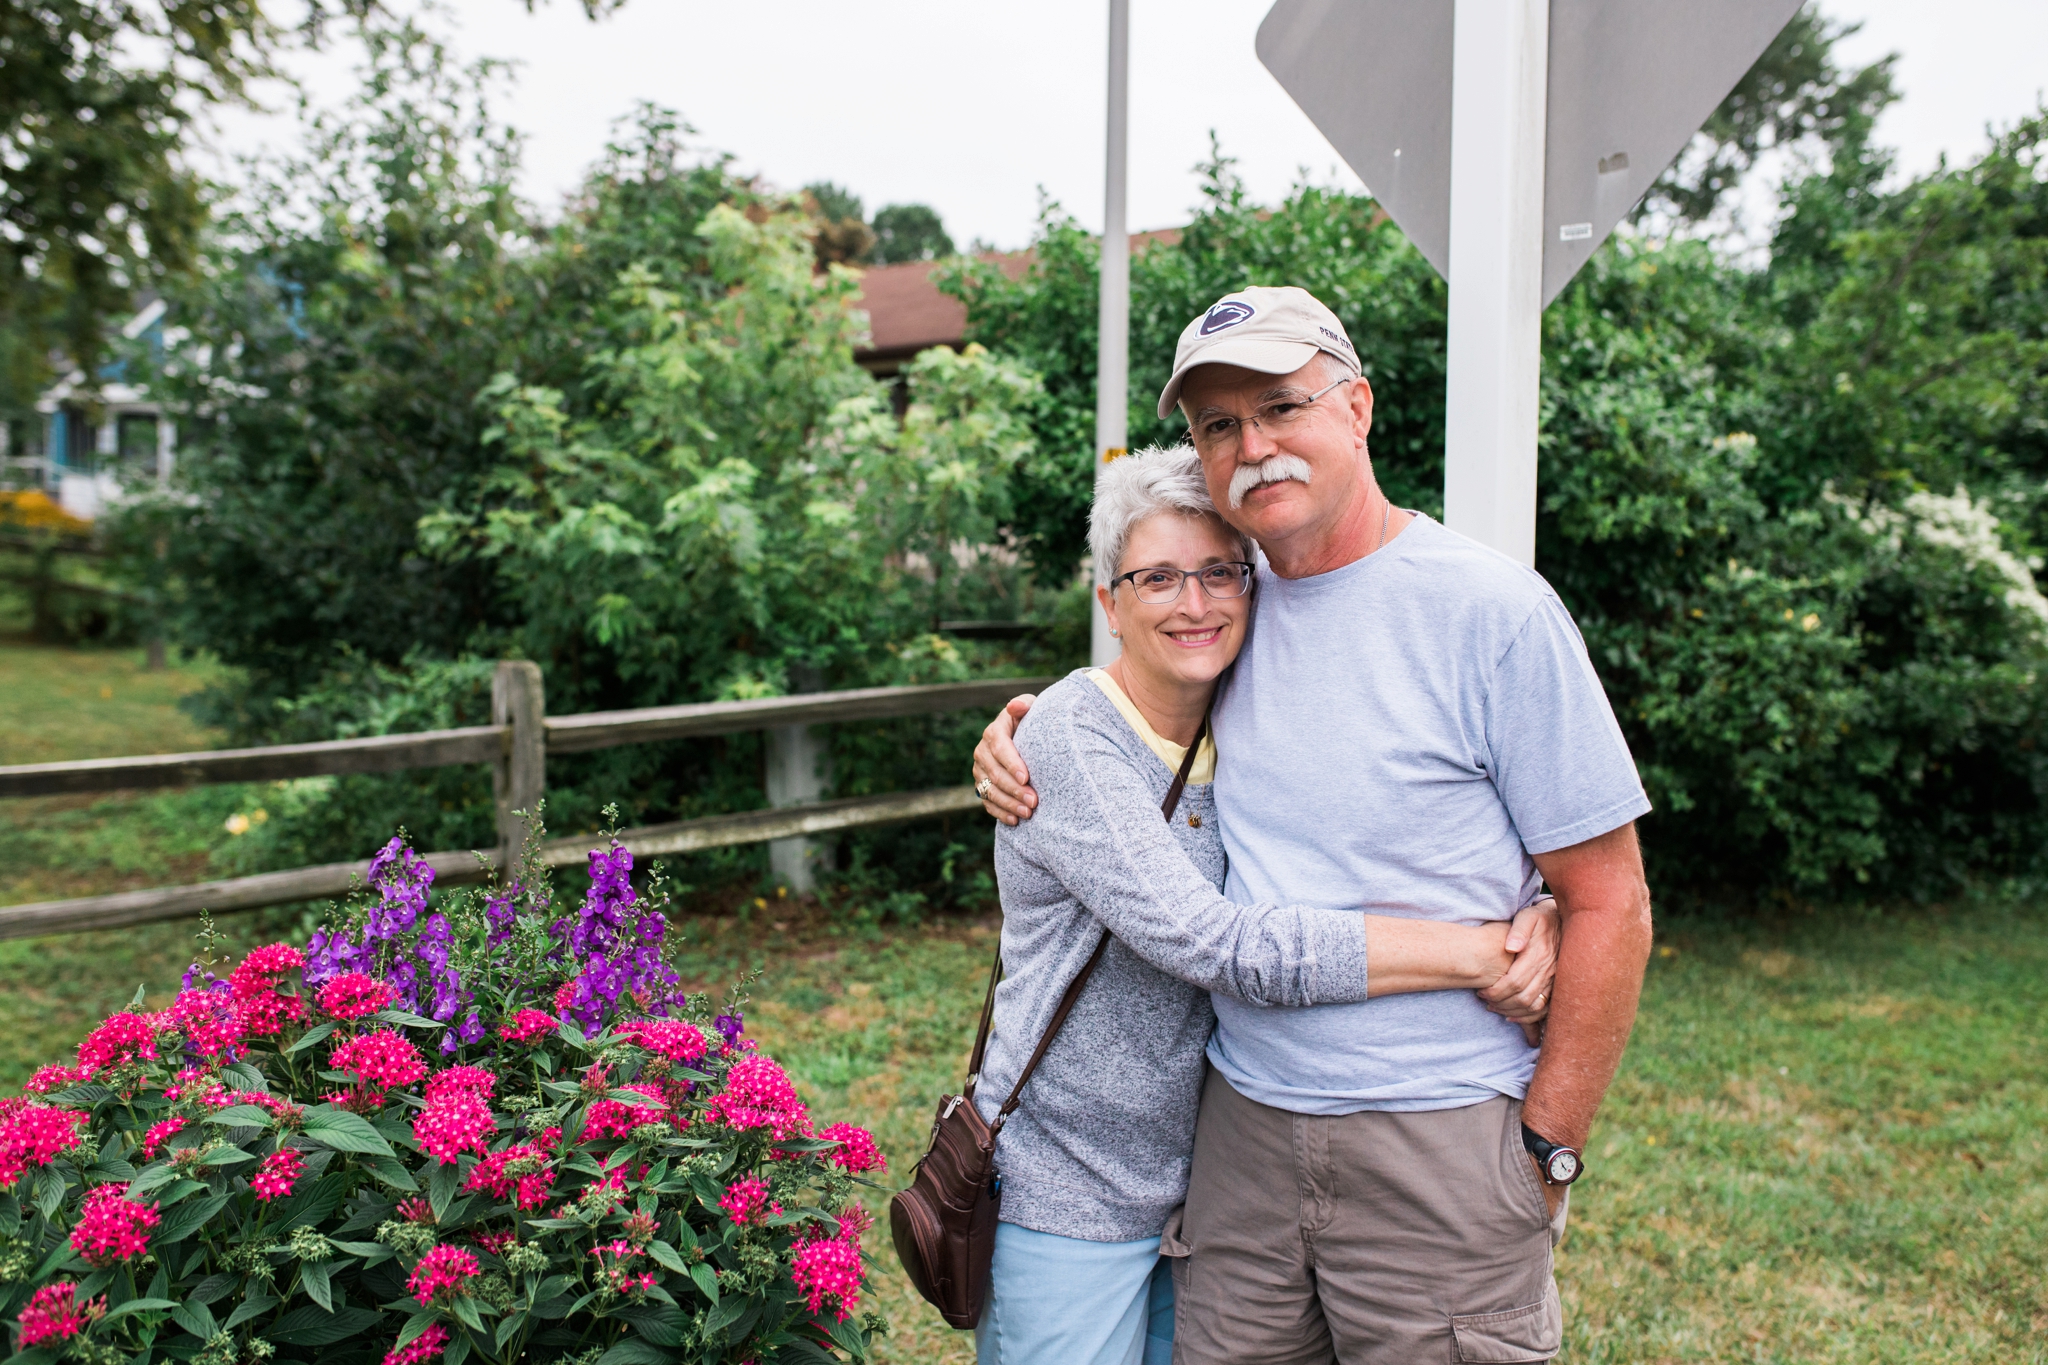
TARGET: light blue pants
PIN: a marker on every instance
(1062, 1301)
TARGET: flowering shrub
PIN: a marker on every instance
(483, 1131)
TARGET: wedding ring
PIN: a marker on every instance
(981, 788)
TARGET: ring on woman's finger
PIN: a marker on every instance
(982, 788)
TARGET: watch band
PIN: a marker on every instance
(1560, 1165)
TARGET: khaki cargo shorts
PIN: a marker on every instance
(1372, 1238)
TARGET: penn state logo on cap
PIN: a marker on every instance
(1228, 313)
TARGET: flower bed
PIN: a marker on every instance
(491, 1132)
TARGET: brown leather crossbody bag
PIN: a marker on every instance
(945, 1223)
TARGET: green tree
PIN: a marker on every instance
(909, 232)
(96, 202)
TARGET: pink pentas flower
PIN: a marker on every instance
(122, 1039)
(417, 1209)
(675, 1039)
(854, 1221)
(33, 1134)
(208, 1019)
(758, 1094)
(354, 995)
(264, 1016)
(159, 1133)
(528, 1025)
(195, 1083)
(609, 1118)
(471, 1079)
(523, 1170)
(454, 1122)
(260, 972)
(112, 1227)
(56, 1077)
(444, 1267)
(279, 1171)
(496, 1242)
(384, 1059)
(425, 1346)
(745, 1200)
(55, 1314)
(856, 1151)
(828, 1269)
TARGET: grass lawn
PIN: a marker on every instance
(1829, 1141)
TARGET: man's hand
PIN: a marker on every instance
(1605, 906)
(1523, 992)
(1008, 795)
(1553, 1195)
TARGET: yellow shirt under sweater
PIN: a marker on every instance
(1169, 753)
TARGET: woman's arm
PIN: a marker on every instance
(1098, 832)
(1511, 965)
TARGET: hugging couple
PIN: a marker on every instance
(1299, 1111)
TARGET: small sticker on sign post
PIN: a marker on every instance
(1574, 232)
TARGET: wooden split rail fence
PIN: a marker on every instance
(516, 744)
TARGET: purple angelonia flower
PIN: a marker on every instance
(730, 1026)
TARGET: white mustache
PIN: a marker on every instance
(1273, 469)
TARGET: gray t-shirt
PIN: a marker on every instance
(1404, 732)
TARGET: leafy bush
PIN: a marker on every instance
(493, 1130)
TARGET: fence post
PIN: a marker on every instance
(520, 775)
(799, 771)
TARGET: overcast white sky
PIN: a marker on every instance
(972, 107)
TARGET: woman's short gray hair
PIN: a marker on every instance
(1162, 479)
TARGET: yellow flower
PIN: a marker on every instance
(237, 823)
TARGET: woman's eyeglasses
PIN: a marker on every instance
(1162, 585)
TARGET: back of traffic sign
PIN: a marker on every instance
(1630, 82)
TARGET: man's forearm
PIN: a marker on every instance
(1606, 941)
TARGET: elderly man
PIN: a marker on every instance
(1414, 721)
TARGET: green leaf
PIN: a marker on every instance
(212, 1289)
(151, 1178)
(406, 1020)
(668, 1257)
(573, 1036)
(316, 1034)
(187, 1219)
(458, 1350)
(464, 1308)
(313, 1206)
(226, 1156)
(510, 1325)
(345, 1132)
(724, 1315)
(633, 1351)
(140, 1306)
(662, 1326)
(196, 1318)
(443, 1180)
(49, 1191)
(246, 1077)
(254, 1306)
(392, 1172)
(242, 1116)
(316, 1278)
(705, 1280)
(318, 1327)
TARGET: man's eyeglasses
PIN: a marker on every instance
(1162, 585)
(1219, 433)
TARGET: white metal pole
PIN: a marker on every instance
(1499, 78)
(1113, 345)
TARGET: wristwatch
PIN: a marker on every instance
(1560, 1165)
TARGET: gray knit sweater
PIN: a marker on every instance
(1099, 1147)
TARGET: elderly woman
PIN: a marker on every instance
(1096, 1159)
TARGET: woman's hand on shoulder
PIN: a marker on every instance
(1522, 992)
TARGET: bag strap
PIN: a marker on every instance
(1074, 988)
(988, 1015)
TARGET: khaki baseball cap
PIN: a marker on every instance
(1271, 330)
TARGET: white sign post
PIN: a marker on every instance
(1508, 138)
(1113, 343)
(1494, 345)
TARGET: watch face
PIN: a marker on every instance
(1564, 1166)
